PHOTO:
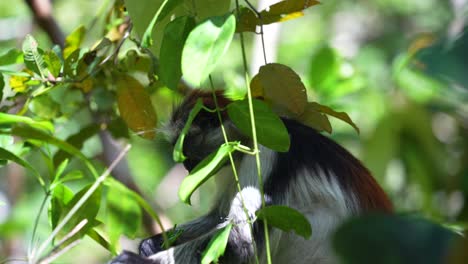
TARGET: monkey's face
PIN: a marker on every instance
(205, 134)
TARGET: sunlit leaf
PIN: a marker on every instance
(8, 119)
(271, 131)
(315, 119)
(19, 83)
(340, 115)
(173, 42)
(146, 40)
(286, 219)
(135, 106)
(279, 12)
(217, 246)
(33, 56)
(60, 169)
(143, 11)
(7, 155)
(205, 46)
(282, 87)
(123, 212)
(73, 41)
(12, 56)
(285, 10)
(204, 170)
(30, 133)
(178, 154)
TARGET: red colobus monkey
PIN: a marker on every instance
(316, 176)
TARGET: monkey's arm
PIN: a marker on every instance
(240, 244)
(183, 233)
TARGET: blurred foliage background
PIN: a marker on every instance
(399, 68)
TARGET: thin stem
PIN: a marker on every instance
(262, 37)
(36, 222)
(255, 142)
(83, 199)
(233, 166)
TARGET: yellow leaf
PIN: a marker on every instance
(135, 106)
(18, 83)
(73, 41)
(283, 88)
(279, 12)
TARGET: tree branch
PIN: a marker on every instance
(42, 11)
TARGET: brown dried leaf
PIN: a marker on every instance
(283, 88)
(135, 106)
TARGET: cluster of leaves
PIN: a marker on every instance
(56, 84)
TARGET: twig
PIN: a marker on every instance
(83, 199)
(56, 251)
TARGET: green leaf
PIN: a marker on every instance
(286, 219)
(60, 169)
(53, 62)
(2, 85)
(204, 170)
(340, 115)
(178, 154)
(147, 41)
(217, 246)
(61, 195)
(271, 131)
(12, 56)
(280, 85)
(123, 212)
(31, 133)
(71, 63)
(92, 233)
(73, 41)
(44, 107)
(71, 176)
(87, 211)
(175, 34)
(7, 155)
(205, 46)
(7, 119)
(33, 56)
(135, 106)
(76, 140)
(15, 73)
